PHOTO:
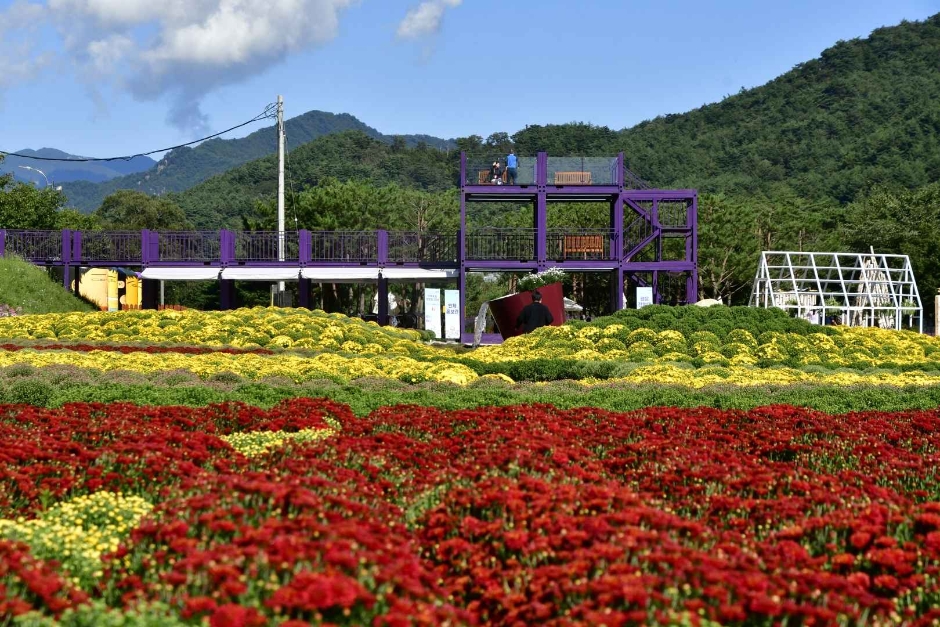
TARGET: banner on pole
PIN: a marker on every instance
(452, 314)
(432, 311)
(644, 297)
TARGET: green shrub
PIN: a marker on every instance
(29, 392)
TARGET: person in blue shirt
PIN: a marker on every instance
(511, 164)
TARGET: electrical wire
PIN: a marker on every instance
(266, 114)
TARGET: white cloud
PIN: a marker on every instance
(181, 49)
(425, 19)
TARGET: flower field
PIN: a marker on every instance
(283, 467)
(514, 515)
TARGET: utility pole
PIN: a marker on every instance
(280, 184)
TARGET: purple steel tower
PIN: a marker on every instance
(631, 248)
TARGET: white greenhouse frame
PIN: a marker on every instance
(861, 289)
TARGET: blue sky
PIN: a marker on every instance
(112, 77)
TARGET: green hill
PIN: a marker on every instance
(29, 288)
(183, 168)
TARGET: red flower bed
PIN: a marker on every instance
(514, 515)
(87, 348)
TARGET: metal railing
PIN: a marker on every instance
(110, 246)
(189, 246)
(582, 171)
(414, 247)
(580, 244)
(674, 213)
(349, 246)
(478, 171)
(263, 246)
(501, 244)
(34, 246)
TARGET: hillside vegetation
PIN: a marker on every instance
(25, 287)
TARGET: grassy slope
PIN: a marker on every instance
(25, 286)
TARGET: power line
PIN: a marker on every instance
(261, 116)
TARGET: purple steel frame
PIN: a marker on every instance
(654, 214)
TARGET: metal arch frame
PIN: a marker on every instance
(872, 287)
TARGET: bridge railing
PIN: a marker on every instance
(42, 247)
(263, 246)
(501, 244)
(89, 247)
(188, 246)
(344, 246)
(415, 247)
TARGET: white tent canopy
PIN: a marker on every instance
(404, 274)
(260, 274)
(570, 305)
(859, 289)
(181, 274)
(340, 275)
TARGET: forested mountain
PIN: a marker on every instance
(183, 168)
(862, 115)
(65, 171)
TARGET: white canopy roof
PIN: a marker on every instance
(418, 274)
(181, 274)
(570, 305)
(261, 274)
(340, 275)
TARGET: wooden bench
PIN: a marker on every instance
(572, 178)
(583, 244)
(483, 178)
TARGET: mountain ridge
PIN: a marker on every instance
(67, 168)
(183, 168)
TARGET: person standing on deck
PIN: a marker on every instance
(511, 165)
(534, 315)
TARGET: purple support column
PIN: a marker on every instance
(227, 294)
(3, 242)
(461, 284)
(616, 246)
(304, 293)
(150, 246)
(541, 212)
(150, 293)
(77, 247)
(383, 300)
(382, 246)
(305, 242)
(66, 257)
(226, 247)
(144, 250)
(616, 289)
